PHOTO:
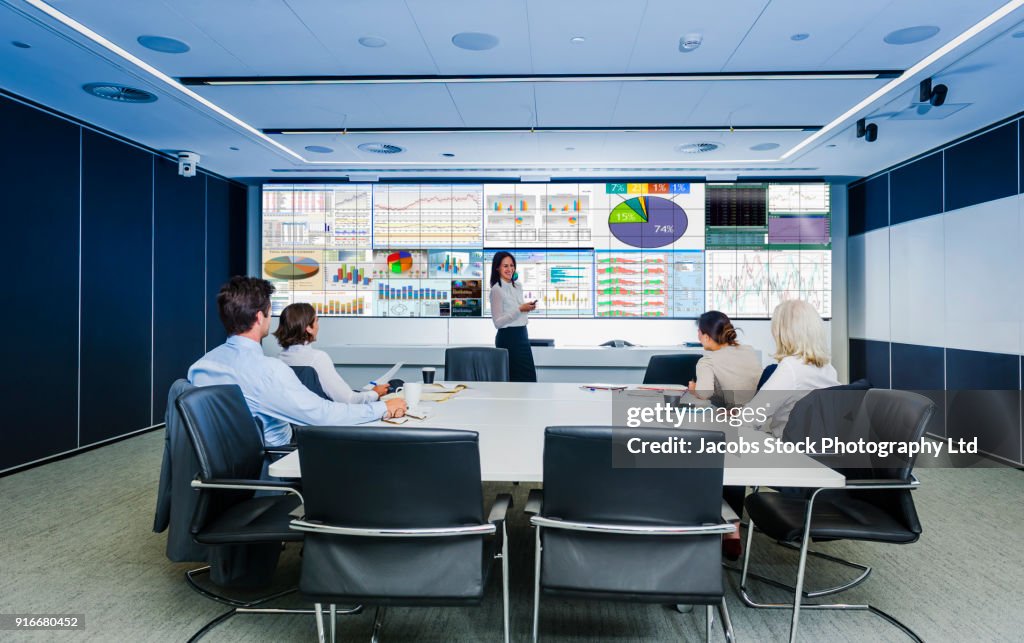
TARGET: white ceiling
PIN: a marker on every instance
(320, 37)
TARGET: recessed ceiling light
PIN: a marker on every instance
(447, 155)
(24, 45)
(163, 45)
(764, 147)
(233, 148)
(570, 149)
(373, 42)
(474, 41)
(697, 148)
(577, 40)
(831, 145)
(800, 36)
(318, 149)
(1015, 34)
(119, 93)
(910, 35)
(380, 148)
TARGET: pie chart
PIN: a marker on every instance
(291, 267)
(399, 262)
(647, 222)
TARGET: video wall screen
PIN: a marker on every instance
(586, 250)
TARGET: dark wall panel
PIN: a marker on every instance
(179, 305)
(983, 400)
(40, 212)
(117, 236)
(225, 247)
(870, 359)
(869, 205)
(916, 189)
(921, 369)
(983, 168)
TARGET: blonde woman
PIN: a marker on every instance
(801, 349)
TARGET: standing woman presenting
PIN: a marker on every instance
(510, 313)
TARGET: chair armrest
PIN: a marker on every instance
(284, 449)
(252, 485)
(634, 530)
(534, 502)
(500, 508)
(874, 483)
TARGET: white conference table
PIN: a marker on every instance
(510, 418)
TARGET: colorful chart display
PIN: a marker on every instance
(647, 222)
(289, 267)
(584, 250)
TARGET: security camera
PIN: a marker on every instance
(867, 131)
(187, 163)
(935, 95)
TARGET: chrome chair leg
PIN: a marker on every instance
(723, 612)
(796, 605)
(709, 620)
(504, 580)
(334, 622)
(190, 578)
(378, 624)
(319, 622)
(536, 586)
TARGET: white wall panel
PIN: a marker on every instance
(868, 285)
(983, 277)
(917, 282)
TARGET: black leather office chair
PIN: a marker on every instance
(408, 528)
(307, 375)
(243, 533)
(671, 369)
(649, 535)
(476, 364)
(766, 374)
(827, 412)
(877, 507)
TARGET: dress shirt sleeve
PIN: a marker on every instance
(499, 316)
(289, 400)
(334, 384)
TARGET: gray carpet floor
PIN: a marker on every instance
(75, 538)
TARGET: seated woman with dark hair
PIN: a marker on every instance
(298, 329)
(728, 374)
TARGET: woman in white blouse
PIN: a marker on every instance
(298, 329)
(510, 313)
(801, 348)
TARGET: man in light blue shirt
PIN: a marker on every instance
(274, 394)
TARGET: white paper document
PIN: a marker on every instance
(386, 377)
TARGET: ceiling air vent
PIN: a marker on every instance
(381, 148)
(119, 93)
(697, 148)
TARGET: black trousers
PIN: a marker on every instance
(520, 356)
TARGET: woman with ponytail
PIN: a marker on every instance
(728, 374)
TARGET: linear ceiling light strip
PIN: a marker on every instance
(110, 46)
(950, 46)
(214, 81)
(531, 130)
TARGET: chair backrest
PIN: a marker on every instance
(671, 369)
(581, 482)
(388, 478)
(227, 443)
(765, 374)
(307, 375)
(476, 364)
(894, 416)
(828, 412)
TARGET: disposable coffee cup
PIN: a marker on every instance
(428, 374)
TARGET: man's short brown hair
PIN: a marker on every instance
(240, 299)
